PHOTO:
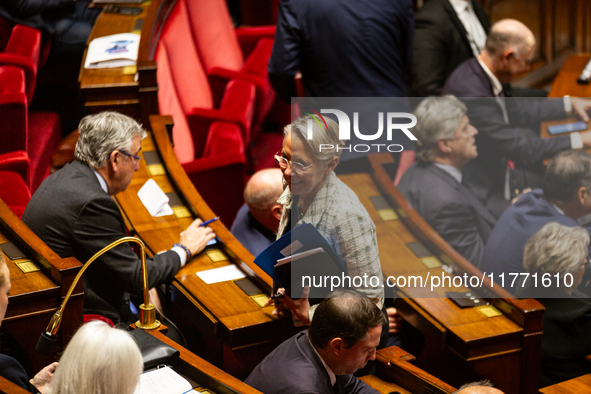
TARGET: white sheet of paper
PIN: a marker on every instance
(154, 199)
(162, 381)
(222, 274)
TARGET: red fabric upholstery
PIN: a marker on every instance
(210, 124)
(90, 317)
(222, 50)
(14, 192)
(17, 161)
(38, 134)
(43, 138)
(407, 157)
(22, 50)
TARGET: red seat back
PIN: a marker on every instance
(214, 35)
(182, 83)
(13, 110)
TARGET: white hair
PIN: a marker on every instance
(98, 360)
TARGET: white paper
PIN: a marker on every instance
(117, 50)
(154, 199)
(162, 381)
(222, 274)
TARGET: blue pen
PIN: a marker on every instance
(209, 221)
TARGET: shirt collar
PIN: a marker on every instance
(451, 170)
(331, 375)
(496, 84)
(560, 211)
(460, 5)
(101, 181)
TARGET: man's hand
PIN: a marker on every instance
(300, 308)
(196, 238)
(43, 378)
(580, 107)
(394, 321)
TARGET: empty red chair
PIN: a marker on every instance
(227, 53)
(210, 126)
(37, 133)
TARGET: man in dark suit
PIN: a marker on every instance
(447, 33)
(566, 196)
(433, 186)
(510, 156)
(343, 48)
(257, 220)
(74, 214)
(342, 338)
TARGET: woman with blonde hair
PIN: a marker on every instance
(98, 360)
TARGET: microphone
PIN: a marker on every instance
(147, 311)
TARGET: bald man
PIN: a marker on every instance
(257, 220)
(481, 387)
(509, 49)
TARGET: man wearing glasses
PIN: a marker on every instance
(74, 214)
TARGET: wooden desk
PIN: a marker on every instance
(6, 386)
(35, 296)
(461, 343)
(566, 80)
(225, 316)
(579, 385)
(115, 89)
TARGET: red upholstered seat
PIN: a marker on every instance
(210, 125)
(38, 134)
(228, 53)
(14, 173)
(22, 50)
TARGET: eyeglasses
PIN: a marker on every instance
(295, 166)
(138, 158)
(587, 262)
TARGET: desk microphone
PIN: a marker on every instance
(147, 311)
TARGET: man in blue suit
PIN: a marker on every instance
(565, 197)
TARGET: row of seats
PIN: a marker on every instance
(27, 139)
(212, 79)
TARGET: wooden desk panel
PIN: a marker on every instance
(35, 296)
(493, 347)
(566, 80)
(224, 315)
(579, 385)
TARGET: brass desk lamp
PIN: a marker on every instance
(147, 311)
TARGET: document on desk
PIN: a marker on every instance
(222, 274)
(154, 199)
(163, 381)
(117, 50)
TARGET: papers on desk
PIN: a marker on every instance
(154, 199)
(117, 50)
(163, 381)
(222, 274)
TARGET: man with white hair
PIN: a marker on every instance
(74, 214)
(511, 156)
(433, 186)
(257, 220)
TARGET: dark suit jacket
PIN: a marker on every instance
(440, 45)
(497, 141)
(75, 217)
(448, 207)
(40, 14)
(254, 236)
(566, 326)
(295, 367)
(11, 369)
(503, 252)
(343, 48)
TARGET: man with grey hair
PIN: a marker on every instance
(74, 214)
(557, 255)
(481, 387)
(257, 220)
(564, 198)
(433, 186)
(510, 151)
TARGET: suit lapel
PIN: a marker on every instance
(457, 23)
